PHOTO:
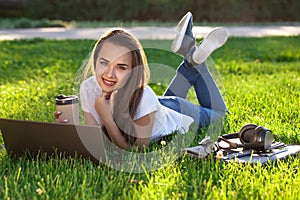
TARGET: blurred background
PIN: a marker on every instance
(62, 13)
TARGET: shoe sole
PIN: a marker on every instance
(212, 41)
(176, 44)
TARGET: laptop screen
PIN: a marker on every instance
(22, 136)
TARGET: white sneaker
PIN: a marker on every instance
(184, 38)
(213, 40)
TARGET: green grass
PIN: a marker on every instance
(9, 23)
(260, 81)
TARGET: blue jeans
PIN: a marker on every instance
(211, 103)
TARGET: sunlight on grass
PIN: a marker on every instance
(260, 81)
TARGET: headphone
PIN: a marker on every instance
(251, 137)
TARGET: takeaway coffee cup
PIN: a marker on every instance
(69, 108)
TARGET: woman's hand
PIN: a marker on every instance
(58, 119)
(103, 106)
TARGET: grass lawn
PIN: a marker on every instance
(260, 81)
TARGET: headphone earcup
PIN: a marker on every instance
(259, 134)
(259, 138)
(264, 136)
(247, 133)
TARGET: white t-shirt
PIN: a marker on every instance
(166, 120)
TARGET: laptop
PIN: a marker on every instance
(21, 136)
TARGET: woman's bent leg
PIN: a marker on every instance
(182, 81)
(207, 92)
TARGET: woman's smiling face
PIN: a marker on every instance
(113, 66)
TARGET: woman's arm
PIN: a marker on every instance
(110, 127)
(103, 106)
(89, 119)
(143, 127)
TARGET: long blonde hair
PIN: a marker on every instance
(127, 98)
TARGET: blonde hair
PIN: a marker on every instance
(128, 97)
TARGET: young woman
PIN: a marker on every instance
(117, 97)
